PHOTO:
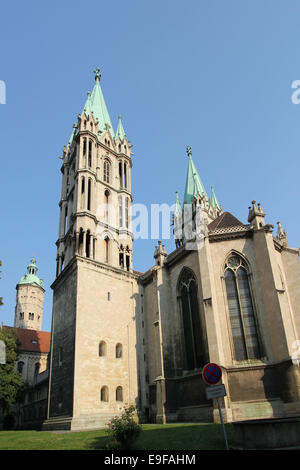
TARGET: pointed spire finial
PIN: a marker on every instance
(189, 150)
(97, 74)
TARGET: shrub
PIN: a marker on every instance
(123, 430)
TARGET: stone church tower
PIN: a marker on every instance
(93, 357)
(30, 300)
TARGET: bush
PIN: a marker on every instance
(123, 430)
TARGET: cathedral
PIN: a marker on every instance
(228, 293)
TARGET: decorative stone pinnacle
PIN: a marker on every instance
(120, 116)
(97, 74)
(189, 150)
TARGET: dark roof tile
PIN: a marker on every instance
(223, 221)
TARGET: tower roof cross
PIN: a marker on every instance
(97, 74)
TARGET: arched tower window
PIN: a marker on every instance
(84, 147)
(194, 341)
(82, 192)
(106, 250)
(106, 171)
(241, 310)
(102, 348)
(119, 393)
(89, 195)
(121, 211)
(126, 212)
(120, 175)
(125, 175)
(66, 220)
(104, 393)
(88, 244)
(80, 242)
(119, 350)
(90, 153)
(106, 204)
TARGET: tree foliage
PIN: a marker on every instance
(11, 383)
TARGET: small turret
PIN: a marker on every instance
(120, 130)
(160, 254)
(177, 222)
(281, 234)
(256, 215)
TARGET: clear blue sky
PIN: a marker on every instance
(215, 75)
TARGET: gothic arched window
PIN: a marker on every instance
(106, 250)
(90, 153)
(194, 341)
(106, 171)
(241, 310)
(106, 204)
(89, 195)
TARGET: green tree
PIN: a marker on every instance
(11, 383)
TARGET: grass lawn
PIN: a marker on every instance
(153, 437)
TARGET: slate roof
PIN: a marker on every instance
(223, 221)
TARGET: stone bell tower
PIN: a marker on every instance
(93, 358)
(30, 300)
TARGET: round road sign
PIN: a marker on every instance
(212, 373)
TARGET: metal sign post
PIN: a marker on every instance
(212, 374)
(223, 426)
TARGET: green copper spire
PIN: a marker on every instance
(214, 200)
(120, 131)
(31, 276)
(95, 104)
(193, 185)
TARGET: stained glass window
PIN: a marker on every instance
(192, 328)
(241, 311)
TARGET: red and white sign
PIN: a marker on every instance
(212, 373)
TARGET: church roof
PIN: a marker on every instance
(95, 104)
(225, 220)
(32, 340)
